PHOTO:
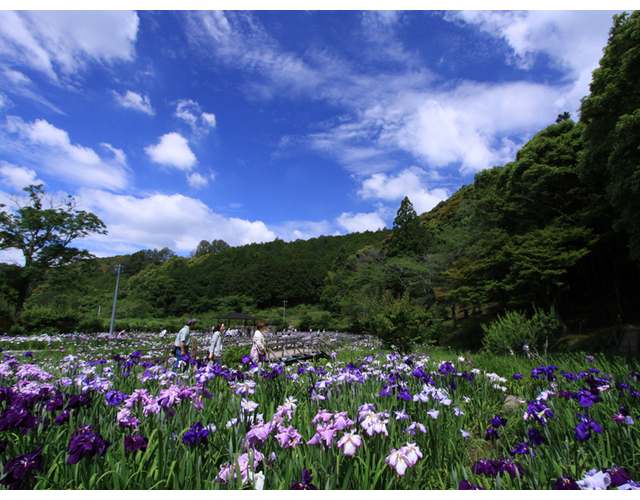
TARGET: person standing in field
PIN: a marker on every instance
(182, 342)
(258, 348)
(215, 344)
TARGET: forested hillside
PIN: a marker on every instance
(556, 229)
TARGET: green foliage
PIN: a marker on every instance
(43, 319)
(511, 332)
(44, 235)
(232, 354)
(611, 114)
(395, 320)
(92, 325)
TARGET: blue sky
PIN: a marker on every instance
(174, 127)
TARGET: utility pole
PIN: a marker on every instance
(284, 313)
(115, 299)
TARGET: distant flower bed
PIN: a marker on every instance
(109, 417)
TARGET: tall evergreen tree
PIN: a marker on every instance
(408, 235)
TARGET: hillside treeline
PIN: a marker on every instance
(559, 227)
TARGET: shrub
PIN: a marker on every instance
(43, 319)
(91, 325)
(395, 321)
(511, 332)
(232, 354)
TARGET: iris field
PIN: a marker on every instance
(104, 412)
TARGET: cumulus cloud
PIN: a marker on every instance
(192, 114)
(66, 41)
(172, 150)
(18, 177)
(45, 147)
(360, 222)
(156, 221)
(197, 180)
(135, 101)
(409, 182)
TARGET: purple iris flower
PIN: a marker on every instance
(491, 433)
(62, 418)
(196, 435)
(618, 476)
(465, 485)
(485, 466)
(517, 376)
(585, 426)
(18, 470)
(78, 401)
(509, 466)
(135, 442)
(565, 483)
(497, 421)
(85, 443)
(306, 482)
(114, 398)
(536, 437)
(405, 395)
(12, 418)
(539, 411)
(522, 448)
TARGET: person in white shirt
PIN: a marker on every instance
(215, 344)
(258, 349)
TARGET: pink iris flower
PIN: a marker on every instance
(341, 421)
(398, 461)
(349, 443)
(412, 452)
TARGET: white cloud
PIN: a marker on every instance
(360, 222)
(5, 102)
(66, 41)
(301, 230)
(43, 146)
(573, 39)
(135, 101)
(190, 112)
(118, 154)
(18, 177)
(159, 220)
(475, 126)
(196, 180)
(18, 83)
(408, 182)
(172, 150)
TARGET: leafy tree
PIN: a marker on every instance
(204, 248)
(611, 115)
(44, 235)
(395, 321)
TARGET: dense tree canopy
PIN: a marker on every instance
(611, 115)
